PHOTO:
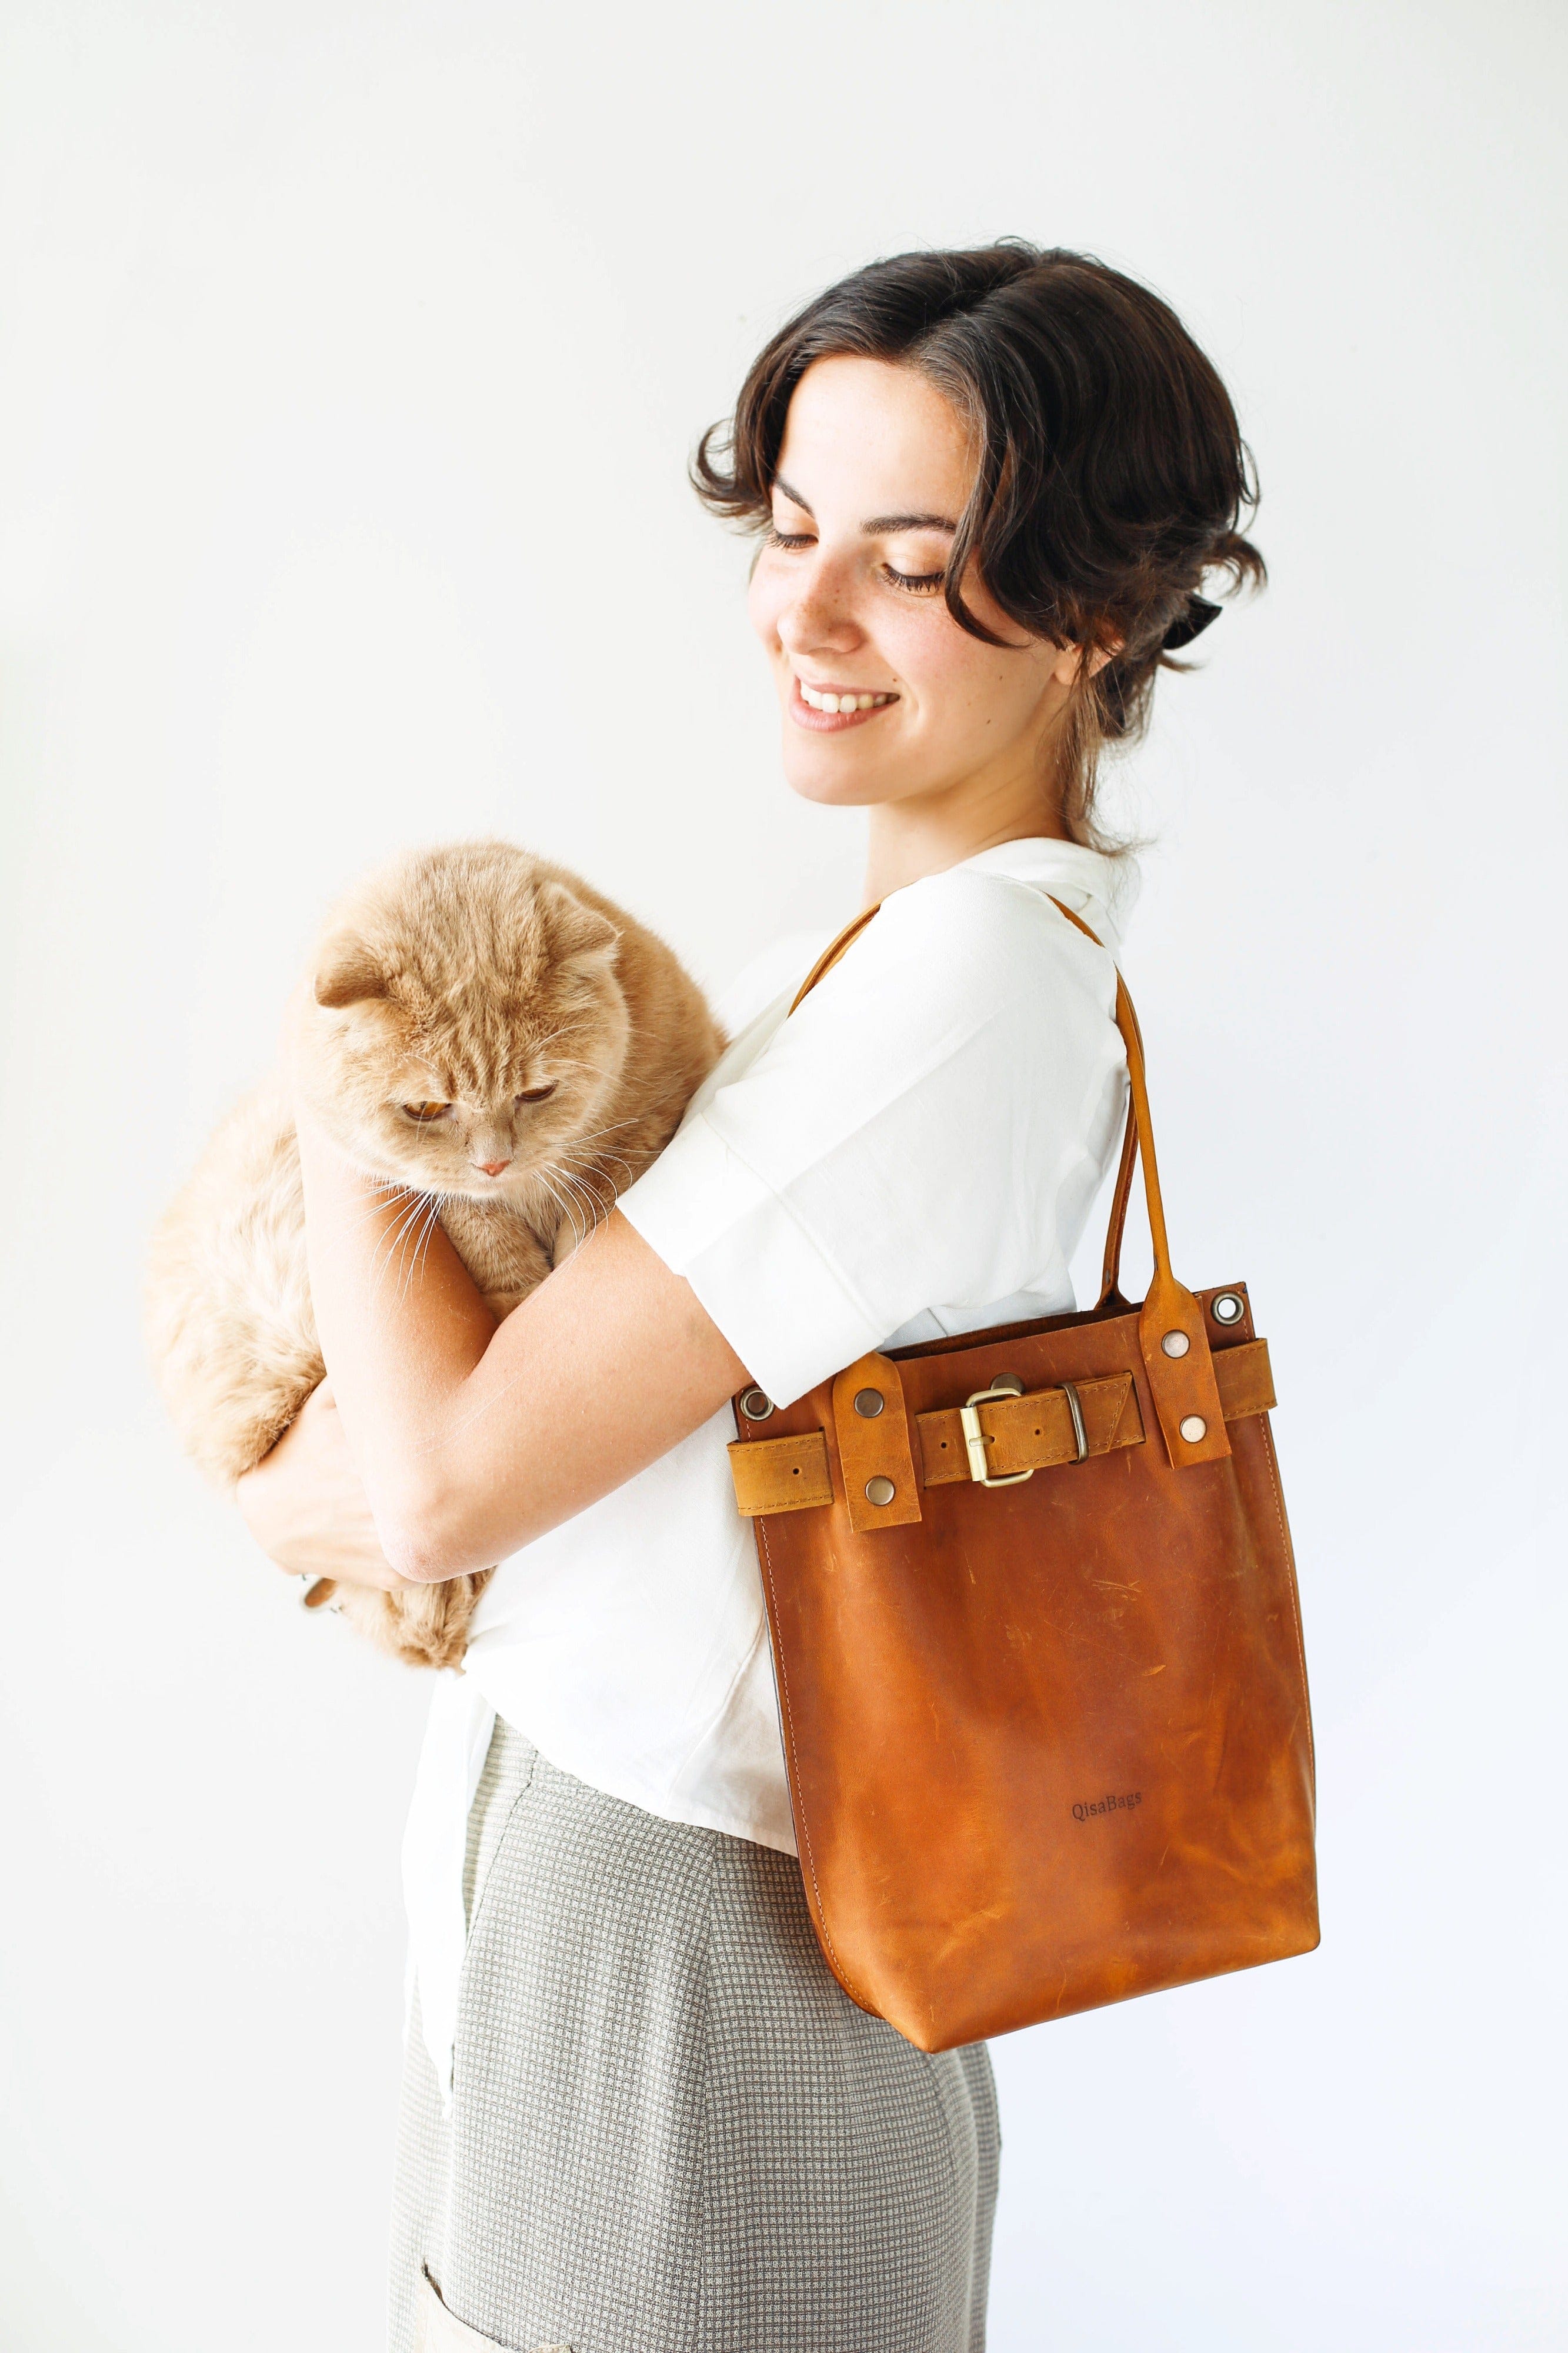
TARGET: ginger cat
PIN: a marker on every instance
(483, 1030)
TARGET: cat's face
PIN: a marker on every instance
(466, 1028)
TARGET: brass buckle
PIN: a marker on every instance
(975, 1437)
(975, 1440)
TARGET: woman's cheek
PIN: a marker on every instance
(919, 649)
(764, 601)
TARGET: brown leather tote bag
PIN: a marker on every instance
(1038, 1649)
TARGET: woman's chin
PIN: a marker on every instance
(835, 781)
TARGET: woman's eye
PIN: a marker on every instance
(538, 1094)
(425, 1112)
(918, 583)
(777, 538)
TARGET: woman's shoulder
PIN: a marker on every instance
(781, 964)
(982, 938)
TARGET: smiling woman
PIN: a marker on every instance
(640, 2117)
(1029, 443)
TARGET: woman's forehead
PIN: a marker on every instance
(872, 442)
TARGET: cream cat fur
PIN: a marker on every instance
(533, 1024)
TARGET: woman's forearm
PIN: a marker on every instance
(472, 1440)
(402, 1328)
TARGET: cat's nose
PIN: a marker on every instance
(493, 1167)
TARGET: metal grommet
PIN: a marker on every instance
(879, 1491)
(1193, 1428)
(756, 1404)
(1175, 1343)
(1227, 1308)
(869, 1403)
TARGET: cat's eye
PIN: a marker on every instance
(538, 1094)
(425, 1112)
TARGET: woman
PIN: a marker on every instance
(639, 2113)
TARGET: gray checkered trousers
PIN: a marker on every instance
(671, 2132)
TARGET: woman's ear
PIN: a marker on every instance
(1074, 663)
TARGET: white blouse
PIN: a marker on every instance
(931, 1126)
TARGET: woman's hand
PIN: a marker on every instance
(305, 1503)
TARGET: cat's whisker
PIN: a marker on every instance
(585, 1190)
(600, 1209)
(609, 1159)
(612, 1127)
(593, 1210)
(422, 1245)
(587, 1154)
(408, 1240)
(566, 1207)
(389, 1239)
(394, 1242)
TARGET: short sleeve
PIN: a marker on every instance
(905, 1140)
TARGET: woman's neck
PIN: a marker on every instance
(907, 840)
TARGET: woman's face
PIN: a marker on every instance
(885, 698)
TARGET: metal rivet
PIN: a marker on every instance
(879, 1491)
(1227, 1308)
(756, 1404)
(1175, 1343)
(1193, 1428)
(869, 1403)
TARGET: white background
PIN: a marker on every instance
(350, 359)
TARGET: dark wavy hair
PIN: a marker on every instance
(1111, 475)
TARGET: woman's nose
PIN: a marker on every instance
(818, 617)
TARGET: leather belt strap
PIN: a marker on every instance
(1033, 1432)
(1036, 1431)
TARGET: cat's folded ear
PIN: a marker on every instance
(349, 971)
(577, 933)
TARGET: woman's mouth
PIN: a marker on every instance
(827, 710)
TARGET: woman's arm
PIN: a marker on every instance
(304, 1503)
(472, 1440)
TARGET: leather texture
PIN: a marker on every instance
(1023, 1434)
(1032, 1432)
(1049, 1743)
(875, 1453)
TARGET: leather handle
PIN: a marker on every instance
(832, 952)
(1110, 1267)
(1181, 1376)
(1122, 1194)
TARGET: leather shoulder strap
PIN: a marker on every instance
(834, 950)
(1122, 1194)
(1173, 1338)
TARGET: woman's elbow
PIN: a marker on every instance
(427, 1537)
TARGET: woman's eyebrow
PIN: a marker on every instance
(878, 524)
